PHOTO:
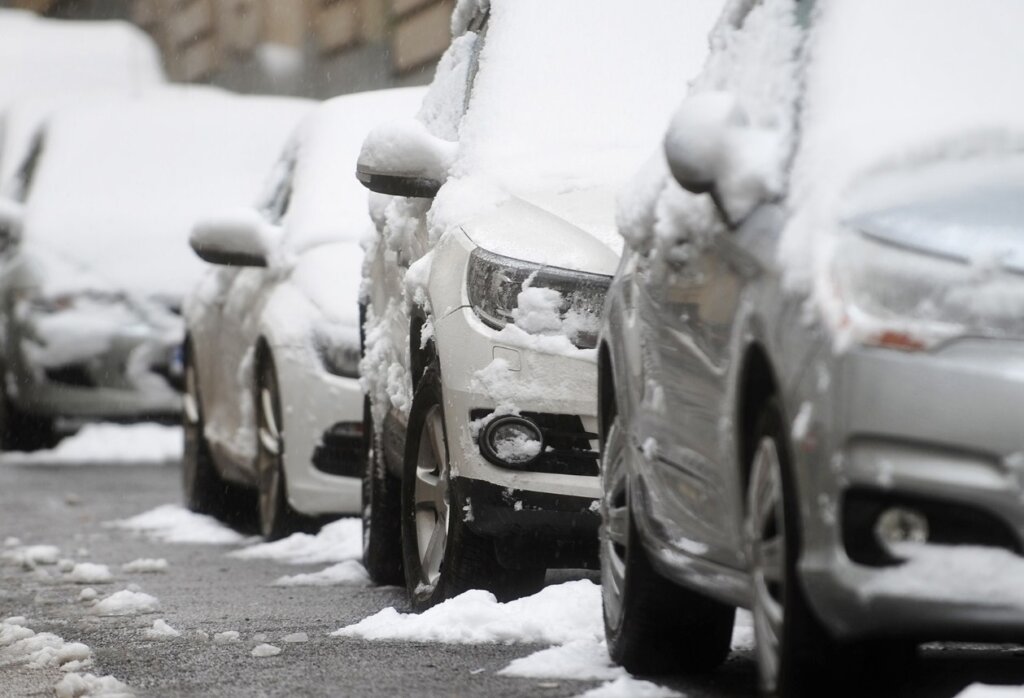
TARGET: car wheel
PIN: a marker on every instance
(652, 626)
(795, 654)
(442, 556)
(382, 506)
(20, 431)
(204, 489)
(277, 519)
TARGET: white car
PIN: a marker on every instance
(95, 266)
(487, 280)
(273, 400)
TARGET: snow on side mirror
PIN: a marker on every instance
(238, 238)
(403, 158)
(712, 148)
(11, 215)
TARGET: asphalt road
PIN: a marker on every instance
(205, 590)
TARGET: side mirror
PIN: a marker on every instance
(712, 148)
(239, 238)
(12, 214)
(404, 159)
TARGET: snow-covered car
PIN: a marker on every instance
(812, 364)
(94, 271)
(486, 282)
(50, 63)
(272, 399)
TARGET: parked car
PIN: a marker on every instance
(485, 285)
(94, 265)
(58, 62)
(811, 363)
(272, 398)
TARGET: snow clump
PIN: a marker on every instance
(585, 659)
(347, 573)
(336, 542)
(295, 637)
(171, 523)
(557, 614)
(75, 685)
(227, 637)
(126, 603)
(161, 630)
(109, 444)
(88, 594)
(265, 650)
(628, 687)
(30, 556)
(145, 565)
(90, 573)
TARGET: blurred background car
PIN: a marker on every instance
(811, 368)
(93, 274)
(273, 399)
(485, 286)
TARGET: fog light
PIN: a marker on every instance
(897, 527)
(511, 441)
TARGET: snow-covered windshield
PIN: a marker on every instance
(568, 97)
(121, 181)
(327, 202)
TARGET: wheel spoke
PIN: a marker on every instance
(617, 525)
(268, 412)
(427, 486)
(435, 428)
(772, 554)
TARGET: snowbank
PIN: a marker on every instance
(109, 444)
(336, 542)
(171, 523)
(979, 690)
(558, 614)
(347, 573)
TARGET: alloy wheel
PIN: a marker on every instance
(615, 528)
(431, 497)
(269, 460)
(766, 539)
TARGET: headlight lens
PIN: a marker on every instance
(911, 300)
(537, 298)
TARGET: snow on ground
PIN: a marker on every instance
(295, 637)
(126, 603)
(580, 659)
(145, 565)
(557, 614)
(29, 556)
(90, 573)
(980, 690)
(74, 685)
(227, 637)
(265, 650)
(628, 687)
(109, 444)
(161, 631)
(171, 523)
(336, 542)
(20, 644)
(347, 573)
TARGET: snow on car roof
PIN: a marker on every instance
(575, 93)
(327, 201)
(122, 181)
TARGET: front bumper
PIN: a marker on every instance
(940, 428)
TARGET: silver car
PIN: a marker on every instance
(811, 370)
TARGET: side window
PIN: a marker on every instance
(448, 96)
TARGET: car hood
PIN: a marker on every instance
(573, 230)
(978, 222)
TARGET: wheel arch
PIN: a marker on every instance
(606, 406)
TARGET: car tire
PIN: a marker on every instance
(382, 507)
(442, 556)
(796, 656)
(277, 518)
(204, 489)
(652, 626)
(20, 431)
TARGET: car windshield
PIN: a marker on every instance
(567, 98)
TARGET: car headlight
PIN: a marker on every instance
(560, 300)
(898, 298)
(338, 355)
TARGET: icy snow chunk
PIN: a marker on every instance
(13, 632)
(295, 637)
(161, 630)
(227, 637)
(126, 603)
(11, 541)
(628, 687)
(980, 690)
(347, 573)
(90, 573)
(145, 565)
(110, 443)
(557, 614)
(585, 659)
(88, 594)
(16, 620)
(539, 310)
(336, 542)
(65, 565)
(31, 555)
(171, 523)
(265, 650)
(75, 685)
